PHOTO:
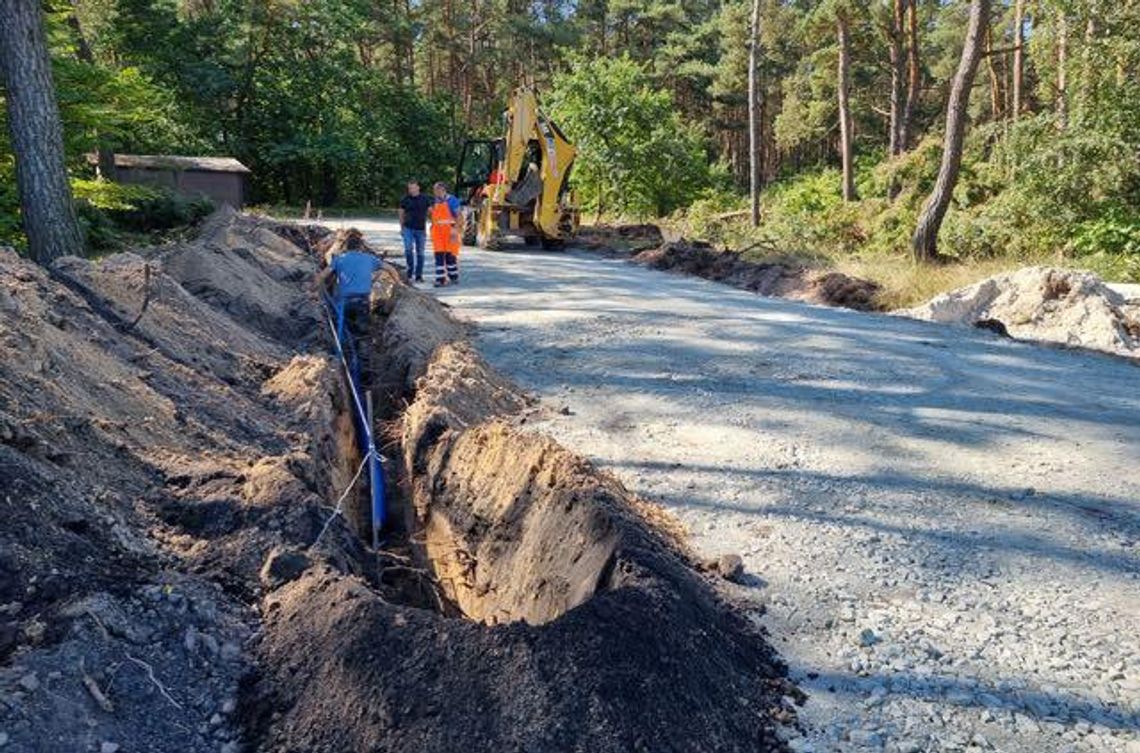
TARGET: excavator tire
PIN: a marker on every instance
(553, 244)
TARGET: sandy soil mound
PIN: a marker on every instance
(1063, 306)
(145, 476)
(634, 237)
(558, 579)
(702, 260)
(243, 267)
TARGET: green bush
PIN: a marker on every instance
(107, 210)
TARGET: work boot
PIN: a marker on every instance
(419, 279)
(440, 284)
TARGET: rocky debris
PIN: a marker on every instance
(1045, 304)
(766, 278)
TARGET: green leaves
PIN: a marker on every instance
(636, 155)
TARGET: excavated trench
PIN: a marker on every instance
(522, 600)
(563, 618)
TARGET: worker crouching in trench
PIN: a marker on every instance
(446, 235)
(350, 274)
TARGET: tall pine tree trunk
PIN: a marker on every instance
(925, 241)
(846, 127)
(996, 95)
(754, 164)
(1018, 56)
(37, 136)
(898, 75)
(914, 77)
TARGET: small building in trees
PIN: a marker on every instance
(220, 179)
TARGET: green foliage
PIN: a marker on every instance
(11, 234)
(111, 212)
(635, 155)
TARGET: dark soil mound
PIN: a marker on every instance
(172, 435)
(585, 630)
(772, 279)
(147, 466)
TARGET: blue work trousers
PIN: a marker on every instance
(414, 241)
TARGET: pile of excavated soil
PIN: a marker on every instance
(148, 466)
(568, 622)
(770, 279)
(610, 237)
(1064, 306)
(172, 438)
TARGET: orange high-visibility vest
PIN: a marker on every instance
(444, 239)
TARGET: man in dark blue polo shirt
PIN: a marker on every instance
(352, 270)
(413, 224)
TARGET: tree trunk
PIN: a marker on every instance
(914, 78)
(754, 165)
(898, 75)
(996, 95)
(1062, 102)
(37, 136)
(925, 242)
(1018, 56)
(846, 127)
(1086, 88)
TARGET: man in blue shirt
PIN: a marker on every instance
(353, 271)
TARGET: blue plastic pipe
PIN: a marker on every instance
(362, 418)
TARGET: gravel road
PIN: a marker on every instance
(943, 524)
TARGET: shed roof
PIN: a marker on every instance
(174, 162)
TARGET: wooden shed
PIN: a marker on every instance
(221, 179)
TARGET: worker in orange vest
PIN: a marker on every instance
(446, 235)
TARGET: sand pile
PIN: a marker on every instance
(148, 466)
(1064, 306)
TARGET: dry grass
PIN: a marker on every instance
(907, 284)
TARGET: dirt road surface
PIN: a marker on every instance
(943, 523)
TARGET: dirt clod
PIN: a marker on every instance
(282, 566)
(730, 567)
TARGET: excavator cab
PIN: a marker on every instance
(519, 184)
(476, 163)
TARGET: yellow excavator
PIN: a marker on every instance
(519, 184)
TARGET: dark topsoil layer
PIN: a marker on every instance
(163, 480)
(645, 244)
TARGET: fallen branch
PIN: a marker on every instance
(161, 688)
